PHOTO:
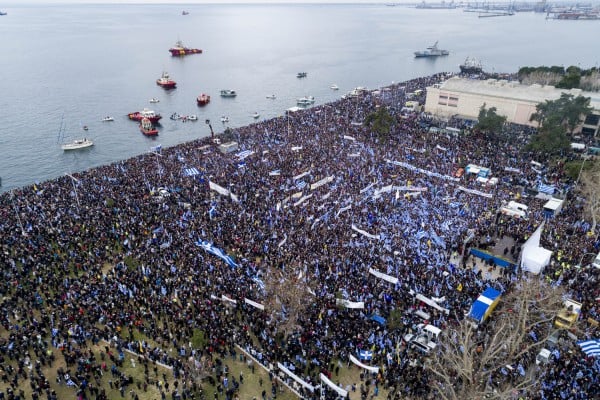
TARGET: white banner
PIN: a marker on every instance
(367, 367)
(410, 188)
(218, 188)
(349, 138)
(343, 393)
(295, 377)
(383, 276)
(477, 192)
(302, 200)
(365, 233)
(302, 175)
(350, 304)
(341, 210)
(254, 304)
(431, 303)
(367, 188)
(321, 182)
(225, 298)
(296, 148)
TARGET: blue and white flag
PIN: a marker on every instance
(300, 185)
(420, 235)
(591, 347)
(190, 172)
(156, 149)
(365, 355)
(547, 189)
(209, 248)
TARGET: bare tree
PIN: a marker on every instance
(286, 298)
(498, 359)
(590, 180)
(198, 369)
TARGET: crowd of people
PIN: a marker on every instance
(316, 195)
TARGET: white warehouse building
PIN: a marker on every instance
(464, 97)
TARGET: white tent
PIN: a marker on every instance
(535, 258)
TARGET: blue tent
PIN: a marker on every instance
(485, 304)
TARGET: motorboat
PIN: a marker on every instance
(175, 116)
(471, 66)
(77, 144)
(145, 113)
(432, 51)
(301, 75)
(154, 100)
(166, 82)
(271, 96)
(185, 12)
(203, 99)
(256, 115)
(180, 50)
(228, 93)
(107, 119)
(192, 117)
(224, 119)
(85, 128)
(305, 101)
(3, 13)
(334, 87)
(147, 128)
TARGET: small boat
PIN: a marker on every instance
(145, 113)
(271, 96)
(185, 12)
(228, 93)
(165, 81)
(192, 117)
(334, 87)
(3, 13)
(256, 115)
(147, 128)
(175, 116)
(180, 50)
(301, 75)
(203, 99)
(224, 119)
(85, 128)
(305, 101)
(154, 100)
(432, 51)
(77, 144)
(107, 119)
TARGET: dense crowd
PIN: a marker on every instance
(115, 250)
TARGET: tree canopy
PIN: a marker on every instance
(381, 123)
(489, 120)
(565, 111)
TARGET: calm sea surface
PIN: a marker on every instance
(78, 64)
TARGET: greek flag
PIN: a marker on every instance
(420, 235)
(244, 154)
(591, 347)
(365, 355)
(547, 189)
(190, 172)
(300, 185)
(156, 149)
(209, 248)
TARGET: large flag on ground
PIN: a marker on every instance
(591, 347)
(209, 248)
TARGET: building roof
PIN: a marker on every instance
(514, 90)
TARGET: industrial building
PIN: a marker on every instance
(464, 97)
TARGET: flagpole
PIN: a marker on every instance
(73, 180)
(12, 195)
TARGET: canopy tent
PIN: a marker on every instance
(535, 259)
(553, 207)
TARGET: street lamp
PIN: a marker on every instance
(12, 200)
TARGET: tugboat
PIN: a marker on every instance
(180, 50)
(471, 66)
(203, 99)
(147, 128)
(145, 113)
(432, 51)
(166, 82)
